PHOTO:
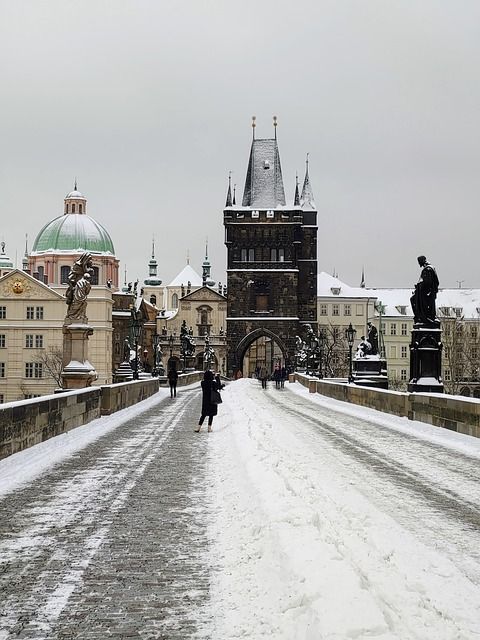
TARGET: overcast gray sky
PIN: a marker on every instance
(149, 105)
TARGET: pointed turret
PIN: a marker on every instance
(234, 196)
(228, 202)
(362, 283)
(307, 200)
(153, 280)
(264, 182)
(296, 200)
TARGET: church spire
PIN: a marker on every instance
(307, 200)
(296, 200)
(206, 267)
(234, 201)
(228, 202)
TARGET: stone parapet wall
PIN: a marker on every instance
(450, 412)
(28, 422)
(23, 424)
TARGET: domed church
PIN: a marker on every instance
(64, 238)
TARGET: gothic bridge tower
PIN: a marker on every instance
(271, 263)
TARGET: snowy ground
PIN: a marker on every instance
(297, 518)
(332, 525)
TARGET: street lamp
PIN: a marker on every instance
(145, 360)
(350, 334)
(136, 330)
(156, 345)
(170, 344)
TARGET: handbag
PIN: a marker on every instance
(215, 397)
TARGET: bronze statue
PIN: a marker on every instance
(372, 338)
(425, 294)
(79, 285)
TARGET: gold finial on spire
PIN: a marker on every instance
(253, 126)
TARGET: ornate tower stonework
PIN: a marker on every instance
(271, 258)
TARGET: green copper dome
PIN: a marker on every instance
(74, 232)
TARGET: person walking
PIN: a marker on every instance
(283, 377)
(209, 407)
(276, 376)
(263, 375)
(172, 381)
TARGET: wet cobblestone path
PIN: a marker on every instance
(112, 542)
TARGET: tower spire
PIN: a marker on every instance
(307, 200)
(253, 126)
(228, 202)
(275, 125)
(75, 184)
(296, 200)
(362, 283)
(234, 201)
(206, 267)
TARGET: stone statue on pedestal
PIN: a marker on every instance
(425, 294)
(79, 285)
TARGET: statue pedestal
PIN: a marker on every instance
(426, 359)
(370, 371)
(123, 373)
(77, 371)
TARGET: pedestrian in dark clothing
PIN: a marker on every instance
(172, 381)
(209, 408)
(283, 377)
(276, 376)
(263, 375)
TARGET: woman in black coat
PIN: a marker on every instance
(208, 407)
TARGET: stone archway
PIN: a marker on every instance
(269, 350)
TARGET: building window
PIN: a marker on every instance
(393, 329)
(2, 369)
(404, 351)
(29, 341)
(335, 310)
(336, 333)
(95, 275)
(359, 310)
(39, 341)
(73, 207)
(473, 353)
(403, 375)
(3, 313)
(448, 376)
(393, 351)
(273, 255)
(30, 313)
(404, 328)
(261, 302)
(382, 328)
(473, 331)
(33, 370)
(281, 255)
(347, 310)
(175, 301)
(64, 271)
(243, 255)
(323, 309)
(80, 208)
(3, 340)
(251, 255)
(29, 396)
(1, 398)
(38, 313)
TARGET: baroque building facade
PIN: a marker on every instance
(271, 261)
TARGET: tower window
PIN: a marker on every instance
(251, 255)
(73, 207)
(243, 255)
(79, 208)
(95, 275)
(175, 301)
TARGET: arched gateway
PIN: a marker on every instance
(261, 347)
(271, 258)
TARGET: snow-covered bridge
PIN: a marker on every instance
(298, 517)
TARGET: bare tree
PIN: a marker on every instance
(335, 352)
(52, 362)
(461, 352)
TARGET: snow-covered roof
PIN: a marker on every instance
(264, 183)
(397, 301)
(187, 274)
(328, 285)
(75, 194)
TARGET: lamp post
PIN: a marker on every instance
(156, 345)
(136, 329)
(170, 344)
(145, 360)
(350, 334)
